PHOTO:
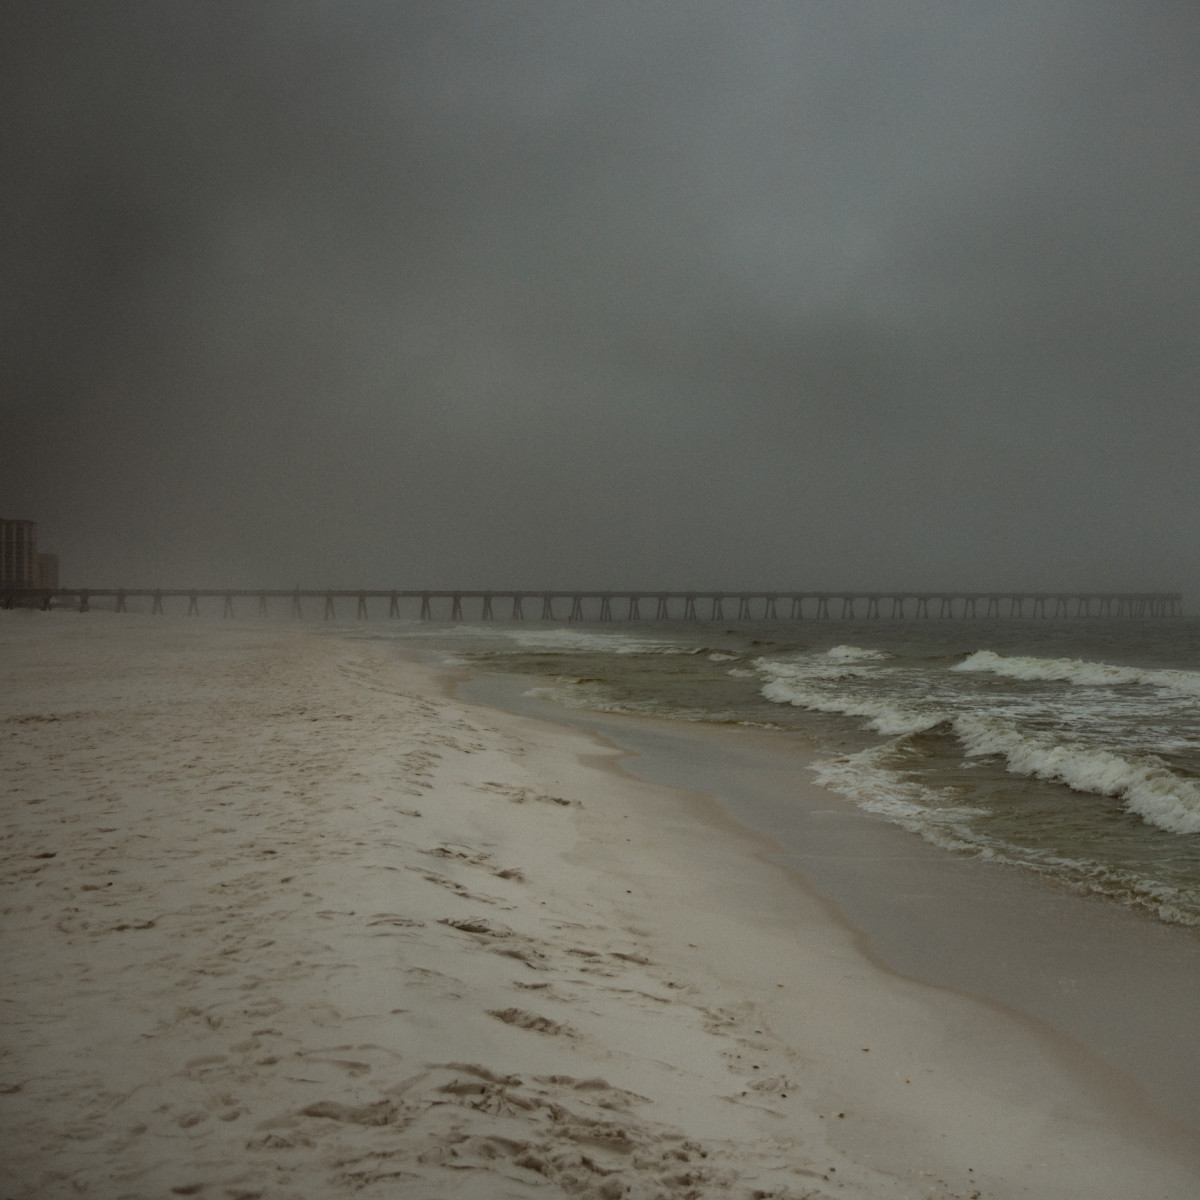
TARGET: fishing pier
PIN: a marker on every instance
(512, 605)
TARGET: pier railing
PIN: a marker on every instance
(618, 605)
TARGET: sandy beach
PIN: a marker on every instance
(283, 918)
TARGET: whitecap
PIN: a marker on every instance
(807, 684)
(1080, 672)
(855, 654)
(1146, 785)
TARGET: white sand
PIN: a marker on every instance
(282, 919)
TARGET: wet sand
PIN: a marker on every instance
(1117, 981)
(284, 918)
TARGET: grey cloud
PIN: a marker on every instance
(726, 293)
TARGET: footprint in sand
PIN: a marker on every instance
(395, 920)
(519, 795)
(458, 889)
(382, 1112)
(531, 1021)
(499, 939)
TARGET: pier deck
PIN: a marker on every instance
(554, 605)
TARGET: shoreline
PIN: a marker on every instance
(284, 920)
(1081, 965)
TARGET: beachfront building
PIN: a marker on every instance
(47, 571)
(18, 554)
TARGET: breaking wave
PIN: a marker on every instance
(855, 654)
(1076, 671)
(883, 716)
(1143, 783)
(579, 641)
(805, 682)
(939, 818)
(1147, 786)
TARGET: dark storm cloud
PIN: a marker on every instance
(819, 294)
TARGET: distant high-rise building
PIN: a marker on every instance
(47, 568)
(18, 554)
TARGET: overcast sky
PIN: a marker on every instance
(842, 294)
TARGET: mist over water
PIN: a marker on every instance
(1069, 749)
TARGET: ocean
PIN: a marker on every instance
(1067, 748)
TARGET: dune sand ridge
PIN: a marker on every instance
(284, 919)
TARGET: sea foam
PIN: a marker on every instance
(882, 716)
(1144, 784)
(855, 654)
(805, 683)
(1077, 671)
(939, 817)
(573, 641)
(866, 779)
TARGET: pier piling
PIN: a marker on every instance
(605, 605)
